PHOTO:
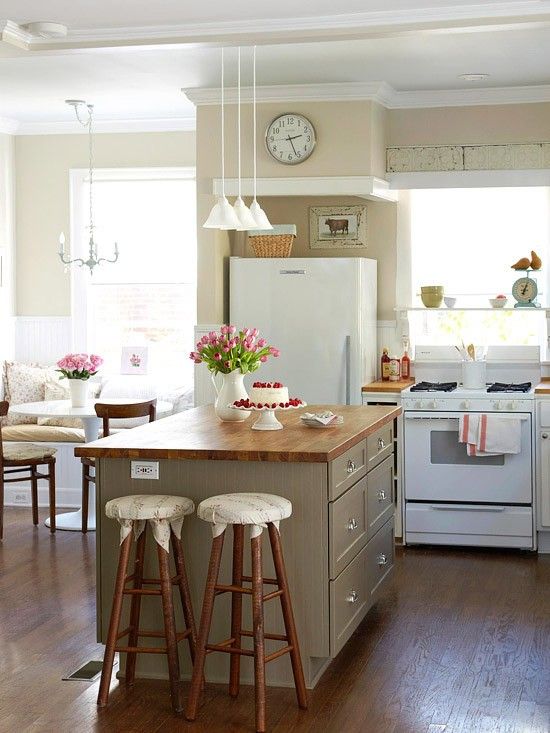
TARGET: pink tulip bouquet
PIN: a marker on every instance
(232, 349)
(79, 366)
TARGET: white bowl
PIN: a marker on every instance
(498, 302)
(449, 302)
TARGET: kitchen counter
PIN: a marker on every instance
(380, 386)
(543, 387)
(339, 539)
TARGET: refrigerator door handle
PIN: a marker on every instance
(348, 370)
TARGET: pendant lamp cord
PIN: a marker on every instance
(239, 116)
(223, 126)
(254, 112)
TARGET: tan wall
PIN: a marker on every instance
(350, 142)
(514, 123)
(381, 238)
(42, 202)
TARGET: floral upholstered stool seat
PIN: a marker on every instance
(259, 511)
(165, 516)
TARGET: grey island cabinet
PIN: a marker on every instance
(338, 543)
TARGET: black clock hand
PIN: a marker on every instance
(290, 139)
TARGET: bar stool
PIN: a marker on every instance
(164, 514)
(108, 411)
(258, 511)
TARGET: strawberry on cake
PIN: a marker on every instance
(268, 393)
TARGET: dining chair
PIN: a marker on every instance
(19, 459)
(110, 411)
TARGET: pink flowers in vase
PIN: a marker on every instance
(233, 349)
(79, 366)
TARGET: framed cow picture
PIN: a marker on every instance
(337, 227)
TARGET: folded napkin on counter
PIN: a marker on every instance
(323, 418)
(490, 435)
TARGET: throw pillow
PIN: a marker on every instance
(23, 383)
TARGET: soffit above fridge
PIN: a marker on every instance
(366, 187)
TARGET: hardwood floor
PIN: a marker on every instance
(461, 644)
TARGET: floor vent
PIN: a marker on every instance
(87, 673)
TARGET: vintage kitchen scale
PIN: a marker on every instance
(525, 291)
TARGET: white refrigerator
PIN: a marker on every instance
(320, 312)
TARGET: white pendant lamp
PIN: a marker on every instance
(222, 215)
(260, 217)
(247, 221)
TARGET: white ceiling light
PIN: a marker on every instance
(260, 217)
(222, 215)
(242, 211)
(47, 30)
(473, 77)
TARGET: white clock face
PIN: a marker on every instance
(525, 290)
(290, 138)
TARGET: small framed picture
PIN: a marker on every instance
(337, 227)
(134, 360)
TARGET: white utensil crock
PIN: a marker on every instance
(474, 374)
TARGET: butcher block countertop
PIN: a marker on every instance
(198, 434)
(543, 387)
(380, 386)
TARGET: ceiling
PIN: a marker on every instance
(410, 45)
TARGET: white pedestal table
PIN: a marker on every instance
(72, 521)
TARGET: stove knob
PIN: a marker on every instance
(421, 404)
(514, 405)
(465, 405)
(497, 405)
(418, 404)
(432, 405)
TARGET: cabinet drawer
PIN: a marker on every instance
(379, 445)
(348, 526)
(348, 468)
(380, 560)
(380, 496)
(349, 601)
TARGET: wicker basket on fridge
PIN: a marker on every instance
(276, 242)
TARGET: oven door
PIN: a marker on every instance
(438, 469)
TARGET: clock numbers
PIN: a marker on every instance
(290, 139)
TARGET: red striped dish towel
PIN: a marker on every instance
(490, 435)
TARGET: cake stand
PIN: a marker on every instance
(267, 419)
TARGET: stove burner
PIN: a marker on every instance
(434, 387)
(501, 387)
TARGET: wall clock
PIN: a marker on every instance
(525, 292)
(290, 138)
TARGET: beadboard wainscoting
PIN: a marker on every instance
(42, 339)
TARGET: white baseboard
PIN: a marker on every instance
(20, 495)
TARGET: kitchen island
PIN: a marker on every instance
(338, 543)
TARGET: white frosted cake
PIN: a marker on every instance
(268, 393)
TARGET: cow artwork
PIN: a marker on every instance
(337, 227)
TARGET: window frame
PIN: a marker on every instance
(78, 213)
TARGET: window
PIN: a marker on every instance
(148, 298)
(467, 240)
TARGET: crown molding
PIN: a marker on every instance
(379, 92)
(376, 23)
(7, 126)
(177, 124)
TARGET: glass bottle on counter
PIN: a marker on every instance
(395, 369)
(405, 364)
(385, 365)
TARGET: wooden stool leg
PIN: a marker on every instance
(135, 609)
(170, 629)
(236, 609)
(288, 615)
(204, 627)
(51, 488)
(85, 497)
(258, 631)
(34, 495)
(185, 593)
(114, 622)
(1, 503)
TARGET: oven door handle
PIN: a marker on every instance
(472, 508)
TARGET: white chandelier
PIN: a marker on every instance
(239, 216)
(93, 258)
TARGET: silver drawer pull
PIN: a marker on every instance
(353, 596)
(351, 466)
(381, 559)
(381, 495)
(352, 524)
(381, 444)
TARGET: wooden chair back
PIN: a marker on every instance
(4, 407)
(113, 411)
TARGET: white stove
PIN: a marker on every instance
(453, 498)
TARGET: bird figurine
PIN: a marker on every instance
(523, 264)
(536, 262)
